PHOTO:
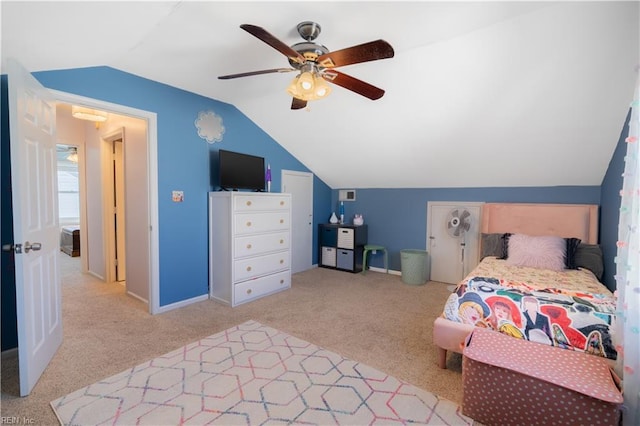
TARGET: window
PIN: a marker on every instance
(68, 185)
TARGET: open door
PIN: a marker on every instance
(32, 118)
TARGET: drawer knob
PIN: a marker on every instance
(248, 246)
(281, 241)
(248, 223)
(282, 203)
(248, 268)
(281, 261)
(281, 281)
(281, 220)
(248, 203)
(248, 291)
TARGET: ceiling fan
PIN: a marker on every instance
(317, 65)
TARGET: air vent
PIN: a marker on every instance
(347, 195)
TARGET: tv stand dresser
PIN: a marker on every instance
(249, 245)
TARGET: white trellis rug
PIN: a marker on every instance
(253, 374)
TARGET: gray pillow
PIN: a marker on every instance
(492, 245)
(589, 256)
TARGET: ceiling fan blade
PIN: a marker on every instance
(366, 52)
(274, 42)
(250, 73)
(298, 103)
(351, 83)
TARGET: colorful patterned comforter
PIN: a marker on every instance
(568, 309)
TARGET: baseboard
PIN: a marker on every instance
(183, 303)
(376, 269)
(135, 296)
(100, 277)
(9, 353)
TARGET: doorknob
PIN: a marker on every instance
(31, 246)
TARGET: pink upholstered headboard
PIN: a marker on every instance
(562, 220)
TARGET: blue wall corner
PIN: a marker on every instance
(610, 206)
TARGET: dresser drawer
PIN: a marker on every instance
(249, 290)
(266, 202)
(261, 243)
(246, 223)
(245, 269)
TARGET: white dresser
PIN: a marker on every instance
(249, 245)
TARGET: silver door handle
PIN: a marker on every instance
(31, 246)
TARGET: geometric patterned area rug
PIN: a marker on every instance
(252, 374)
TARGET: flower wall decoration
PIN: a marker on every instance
(209, 126)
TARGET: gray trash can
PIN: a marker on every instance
(415, 266)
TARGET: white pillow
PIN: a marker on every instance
(537, 252)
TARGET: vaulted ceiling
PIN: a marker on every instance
(478, 94)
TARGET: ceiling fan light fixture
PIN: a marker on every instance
(89, 114)
(306, 82)
(73, 155)
(309, 86)
(322, 89)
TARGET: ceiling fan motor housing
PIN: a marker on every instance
(309, 50)
(309, 30)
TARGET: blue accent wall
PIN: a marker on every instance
(610, 206)
(397, 218)
(183, 164)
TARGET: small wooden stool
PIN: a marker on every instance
(372, 248)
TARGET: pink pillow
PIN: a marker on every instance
(537, 252)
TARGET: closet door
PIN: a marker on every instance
(451, 258)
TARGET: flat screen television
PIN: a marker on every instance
(240, 171)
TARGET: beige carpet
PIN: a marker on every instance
(252, 374)
(374, 319)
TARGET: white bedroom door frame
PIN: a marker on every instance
(152, 180)
(450, 260)
(300, 186)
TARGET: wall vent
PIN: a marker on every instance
(347, 195)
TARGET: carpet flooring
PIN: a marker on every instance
(374, 319)
(254, 374)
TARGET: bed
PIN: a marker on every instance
(519, 295)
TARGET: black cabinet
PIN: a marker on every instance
(341, 246)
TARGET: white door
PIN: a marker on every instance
(32, 117)
(452, 258)
(300, 186)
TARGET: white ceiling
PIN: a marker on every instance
(479, 94)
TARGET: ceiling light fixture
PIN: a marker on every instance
(73, 155)
(309, 85)
(89, 114)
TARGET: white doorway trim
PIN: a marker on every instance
(114, 235)
(300, 186)
(152, 129)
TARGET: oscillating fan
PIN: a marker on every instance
(458, 222)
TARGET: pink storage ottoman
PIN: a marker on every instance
(509, 381)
